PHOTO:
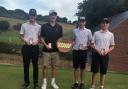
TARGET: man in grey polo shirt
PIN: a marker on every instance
(102, 44)
(81, 39)
(29, 34)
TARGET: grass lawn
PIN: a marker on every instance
(11, 77)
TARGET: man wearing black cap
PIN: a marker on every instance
(29, 34)
(50, 33)
(102, 43)
(81, 39)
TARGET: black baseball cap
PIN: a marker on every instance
(32, 12)
(105, 20)
(52, 12)
(81, 19)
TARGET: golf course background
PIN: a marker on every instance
(11, 76)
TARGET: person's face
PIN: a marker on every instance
(104, 26)
(82, 23)
(53, 18)
(32, 17)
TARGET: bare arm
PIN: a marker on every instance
(44, 43)
(22, 38)
(110, 49)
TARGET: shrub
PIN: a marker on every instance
(4, 25)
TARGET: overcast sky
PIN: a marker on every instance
(64, 8)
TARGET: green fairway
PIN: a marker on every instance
(11, 77)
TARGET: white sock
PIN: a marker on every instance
(76, 82)
(102, 86)
(52, 80)
(82, 82)
(93, 86)
(45, 80)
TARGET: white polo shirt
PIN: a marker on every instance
(81, 37)
(103, 40)
(30, 31)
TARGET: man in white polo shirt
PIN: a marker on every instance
(29, 34)
(102, 44)
(81, 39)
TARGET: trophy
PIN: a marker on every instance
(31, 41)
(50, 45)
(102, 51)
(82, 47)
(64, 45)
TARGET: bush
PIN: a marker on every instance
(9, 48)
(4, 25)
(17, 26)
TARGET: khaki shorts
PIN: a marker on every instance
(52, 58)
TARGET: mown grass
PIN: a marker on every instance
(11, 77)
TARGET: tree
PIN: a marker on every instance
(95, 10)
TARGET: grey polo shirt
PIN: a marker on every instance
(103, 40)
(30, 31)
(81, 37)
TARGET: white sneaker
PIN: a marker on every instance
(92, 87)
(44, 86)
(54, 86)
(102, 88)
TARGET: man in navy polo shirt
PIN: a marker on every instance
(50, 33)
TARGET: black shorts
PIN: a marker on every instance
(99, 63)
(79, 59)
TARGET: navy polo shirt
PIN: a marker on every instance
(51, 35)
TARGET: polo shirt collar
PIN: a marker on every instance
(32, 24)
(103, 31)
(51, 25)
(82, 29)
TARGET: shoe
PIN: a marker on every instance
(81, 86)
(92, 87)
(44, 86)
(25, 86)
(54, 86)
(36, 86)
(102, 88)
(75, 86)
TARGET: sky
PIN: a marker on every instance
(64, 8)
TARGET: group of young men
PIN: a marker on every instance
(32, 34)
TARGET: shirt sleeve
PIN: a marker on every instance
(112, 42)
(73, 36)
(22, 30)
(90, 36)
(61, 32)
(39, 31)
(42, 31)
(93, 38)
